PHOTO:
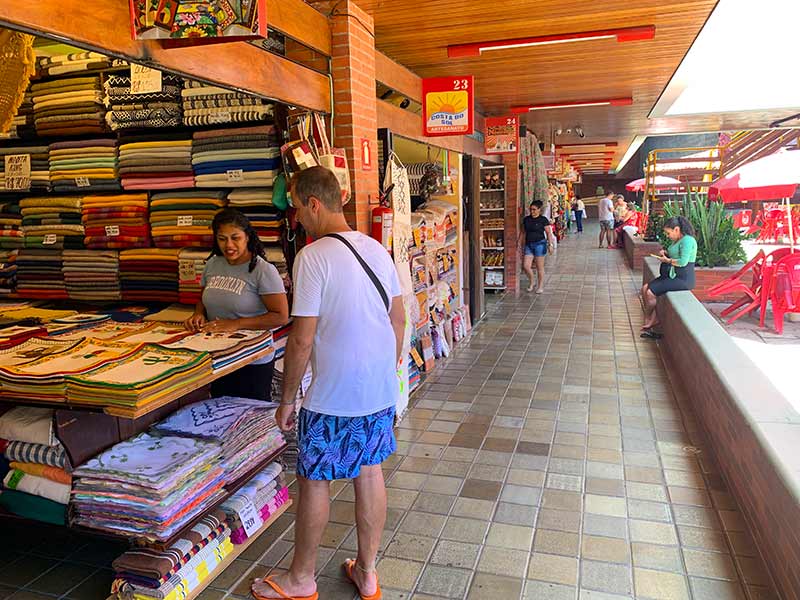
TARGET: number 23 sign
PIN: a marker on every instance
(447, 106)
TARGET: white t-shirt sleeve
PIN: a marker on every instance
(268, 280)
(394, 283)
(308, 280)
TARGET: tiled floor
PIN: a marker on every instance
(546, 459)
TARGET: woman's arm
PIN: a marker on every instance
(278, 314)
(198, 319)
(684, 249)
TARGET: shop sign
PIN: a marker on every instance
(145, 80)
(448, 106)
(502, 135)
(18, 172)
(198, 22)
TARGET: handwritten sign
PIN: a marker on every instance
(112, 230)
(185, 221)
(49, 239)
(18, 171)
(145, 80)
(448, 105)
(235, 175)
(82, 182)
(250, 518)
(417, 358)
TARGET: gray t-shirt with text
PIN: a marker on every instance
(231, 292)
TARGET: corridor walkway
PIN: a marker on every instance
(549, 460)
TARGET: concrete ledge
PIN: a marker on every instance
(636, 249)
(753, 430)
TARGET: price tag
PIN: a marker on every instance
(18, 172)
(235, 175)
(447, 308)
(82, 182)
(417, 238)
(220, 117)
(417, 358)
(185, 221)
(145, 80)
(112, 230)
(250, 518)
(49, 239)
(187, 271)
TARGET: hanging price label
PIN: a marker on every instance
(250, 518)
(82, 182)
(112, 230)
(18, 172)
(49, 239)
(235, 175)
(417, 358)
(145, 80)
(418, 238)
(185, 221)
(447, 308)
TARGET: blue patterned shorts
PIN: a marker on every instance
(337, 447)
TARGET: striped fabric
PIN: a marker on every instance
(36, 453)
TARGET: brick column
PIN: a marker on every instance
(513, 223)
(355, 104)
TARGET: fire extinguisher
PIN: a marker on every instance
(383, 221)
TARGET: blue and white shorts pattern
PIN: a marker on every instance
(337, 447)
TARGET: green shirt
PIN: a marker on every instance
(683, 252)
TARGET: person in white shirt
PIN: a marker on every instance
(348, 321)
(605, 214)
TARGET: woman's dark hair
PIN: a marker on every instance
(537, 203)
(682, 222)
(231, 216)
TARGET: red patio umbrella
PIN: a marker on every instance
(770, 178)
(660, 182)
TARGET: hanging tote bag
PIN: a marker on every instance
(331, 158)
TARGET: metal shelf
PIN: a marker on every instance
(493, 228)
(487, 267)
(491, 209)
(494, 190)
(493, 248)
(494, 167)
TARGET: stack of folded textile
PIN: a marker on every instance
(11, 236)
(75, 62)
(289, 456)
(191, 264)
(148, 487)
(245, 430)
(36, 485)
(279, 337)
(8, 272)
(276, 256)
(40, 275)
(257, 206)
(227, 347)
(40, 167)
(266, 491)
(116, 221)
(92, 275)
(52, 222)
(209, 105)
(44, 379)
(149, 571)
(242, 157)
(84, 166)
(68, 106)
(142, 111)
(157, 162)
(23, 125)
(183, 219)
(145, 376)
(149, 274)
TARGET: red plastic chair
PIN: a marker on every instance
(756, 223)
(785, 294)
(751, 299)
(767, 278)
(743, 219)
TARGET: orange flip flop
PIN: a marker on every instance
(277, 588)
(348, 569)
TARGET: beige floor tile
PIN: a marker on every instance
(660, 586)
(553, 569)
(712, 565)
(501, 561)
(653, 533)
(605, 505)
(605, 549)
(509, 536)
(399, 574)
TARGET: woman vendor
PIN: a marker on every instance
(240, 290)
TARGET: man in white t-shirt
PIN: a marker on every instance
(348, 320)
(605, 214)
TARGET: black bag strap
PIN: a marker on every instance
(366, 267)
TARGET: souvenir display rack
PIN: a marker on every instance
(492, 210)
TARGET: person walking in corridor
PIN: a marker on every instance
(538, 236)
(349, 321)
(579, 208)
(605, 214)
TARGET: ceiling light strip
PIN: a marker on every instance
(576, 104)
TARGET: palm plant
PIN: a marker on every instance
(719, 243)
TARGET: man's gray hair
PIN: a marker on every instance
(320, 183)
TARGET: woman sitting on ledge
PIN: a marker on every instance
(676, 272)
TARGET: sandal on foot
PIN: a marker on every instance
(650, 334)
(348, 569)
(278, 590)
